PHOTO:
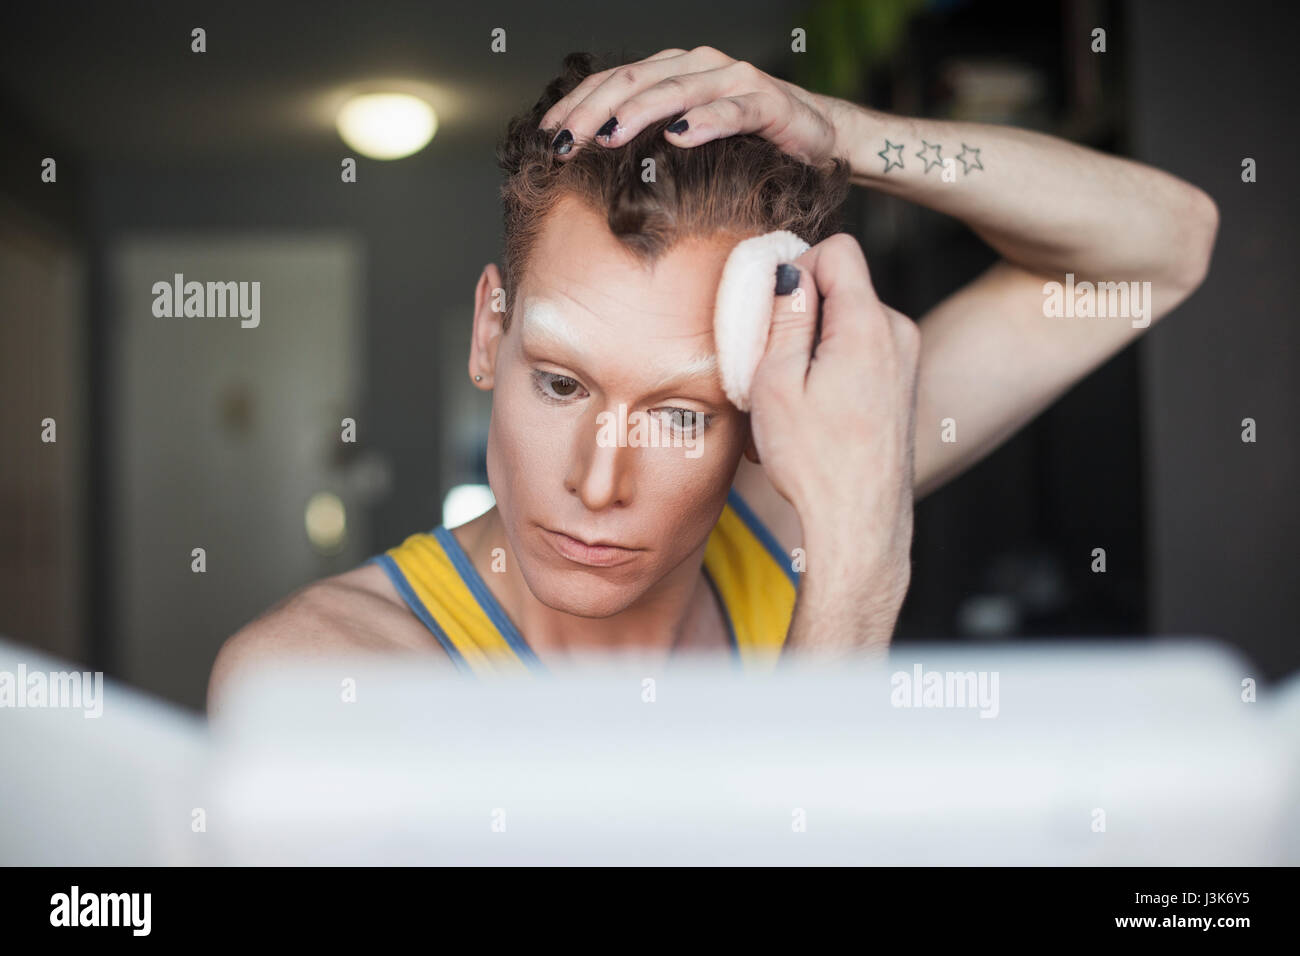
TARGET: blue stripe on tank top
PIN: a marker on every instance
(496, 614)
(765, 537)
(417, 607)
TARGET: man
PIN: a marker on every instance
(801, 548)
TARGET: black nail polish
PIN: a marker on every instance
(677, 127)
(608, 128)
(787, 278)
(563, 142)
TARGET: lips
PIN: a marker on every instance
(595, 554)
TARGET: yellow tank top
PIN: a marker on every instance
(750, 574)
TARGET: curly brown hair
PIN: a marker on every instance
(742, 185)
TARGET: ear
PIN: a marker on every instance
(751, 450)
(489, 325)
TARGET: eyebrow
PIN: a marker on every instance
(543, 320)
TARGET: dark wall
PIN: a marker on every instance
(1212, 84)
(1005, 550)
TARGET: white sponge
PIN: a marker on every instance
(742, 315)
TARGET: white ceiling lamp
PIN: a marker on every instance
(387, 125)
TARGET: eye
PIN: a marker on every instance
(684, 421)
(555, 388)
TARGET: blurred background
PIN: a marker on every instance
(224, 165)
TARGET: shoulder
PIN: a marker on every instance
(777, 514)
(358, 611)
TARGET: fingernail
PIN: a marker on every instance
(787, 278)
(608, 129)
(563, 142)
(677, 127)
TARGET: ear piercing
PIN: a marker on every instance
(478, 378)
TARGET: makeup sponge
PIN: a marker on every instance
(742, 315)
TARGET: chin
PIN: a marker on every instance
(593, 606)
(583, 592)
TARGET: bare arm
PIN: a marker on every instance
(991, 360)
(351, 613)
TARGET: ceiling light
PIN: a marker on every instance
(387, 125)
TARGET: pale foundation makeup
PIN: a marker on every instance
(544, 319)
(680, 428)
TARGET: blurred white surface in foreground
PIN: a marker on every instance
(811, 766)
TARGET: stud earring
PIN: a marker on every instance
(478, 378)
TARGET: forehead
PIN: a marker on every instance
(596, 285)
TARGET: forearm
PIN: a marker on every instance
(1045, 204)
(850, 596)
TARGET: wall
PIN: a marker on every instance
(1213, 84)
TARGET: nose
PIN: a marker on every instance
(602, 470)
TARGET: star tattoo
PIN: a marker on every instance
(938, 157)
(968, 164)
(891, 163)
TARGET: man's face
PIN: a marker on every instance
(609, 423)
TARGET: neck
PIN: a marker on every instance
(649, 629)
